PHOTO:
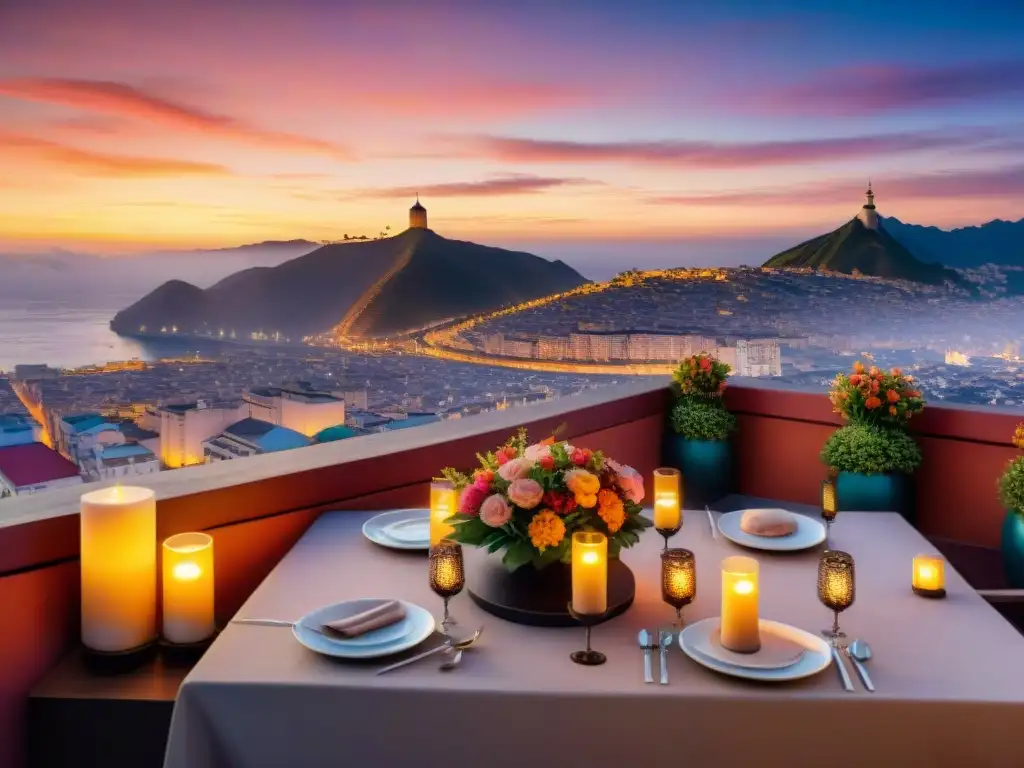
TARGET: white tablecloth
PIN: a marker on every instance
(949, 674)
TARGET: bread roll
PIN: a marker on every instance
(768, 522)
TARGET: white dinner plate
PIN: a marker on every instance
(417, 626)
(414, 531)
(809, 533)
(376, 529)
(695, 641)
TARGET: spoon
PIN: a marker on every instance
(859, 652)
(448, 645)
(644, 638)
(664, 641)
(454, 661)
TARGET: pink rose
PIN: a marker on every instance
(515, 469)
(472, 497)
(525, 493)
(629, 480)
(537, 452)
(495, 511)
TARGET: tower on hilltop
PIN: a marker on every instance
(868, 215)
(417, 215)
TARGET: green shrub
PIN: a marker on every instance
(1011, 485)
(871, 450)
(699, 419)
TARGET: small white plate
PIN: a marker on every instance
(418, 626)
(376, 529)
(695, 641)
(809, 533)
(414, 531)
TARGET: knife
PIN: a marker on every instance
(711, 519)
(843, 674)
(444, 646)
(862, 671)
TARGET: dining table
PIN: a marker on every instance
(948, 673)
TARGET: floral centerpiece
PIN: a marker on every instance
(528, 500)
(873, 453)
(1011, 494)
(700, 376)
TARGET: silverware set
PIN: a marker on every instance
(857, 652)
(645, 641)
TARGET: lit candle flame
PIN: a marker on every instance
(187, 571)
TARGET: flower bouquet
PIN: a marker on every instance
(876, 397)
(528, 500)
(700, 376)
(1011, 493)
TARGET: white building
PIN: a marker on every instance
(301, 408)
(184, 427)
(127, 460)
(758, 357)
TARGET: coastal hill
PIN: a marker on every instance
(997, 242)
(372, 289)
(863, 245)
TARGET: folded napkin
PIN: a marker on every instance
(360, 623)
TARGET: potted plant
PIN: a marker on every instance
(873, 456)
(1011, 493)
(697, 443)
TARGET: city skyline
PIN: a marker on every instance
(134, 125)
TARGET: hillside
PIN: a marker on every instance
(378, 287)
(869, 251)
(997, 242)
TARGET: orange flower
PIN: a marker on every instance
(547, 441)
(892, 396)
(1018, 436)
(892, 409)
(546, 529)
(855, 379)
(897, 372)
(875, 371)
(858, 367)
(872, 402)
(611, 510)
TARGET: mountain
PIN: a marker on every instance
(997, 242)
(373, 289)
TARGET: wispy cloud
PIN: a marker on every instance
(122, 100)
(495, 187)
(88, 162)
(886, 88)
(995, 183)
(716, 155)
(477, 99)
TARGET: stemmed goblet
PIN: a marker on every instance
(447, 575)
(836, 588)
(678, 580)
(668, 502)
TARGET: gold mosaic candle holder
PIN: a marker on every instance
(447, 575)
(836, 588)
(678, 580)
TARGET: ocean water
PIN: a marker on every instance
(66, 333)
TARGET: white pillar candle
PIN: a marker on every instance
(118, 563)
(667, 499)
(589, 572)
(740, 623)
(188, 588)
(442, 506)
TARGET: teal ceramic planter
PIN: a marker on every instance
(891, 492)
(706, 466)
(1013, 549)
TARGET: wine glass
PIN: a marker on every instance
(447, 575)
(678, 580)
(836, 588)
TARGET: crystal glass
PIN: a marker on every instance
(668, 502)
(678, 580)
(447, 575)
(829, 506)
(836, 588)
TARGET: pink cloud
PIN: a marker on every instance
(122, 100)
(712, 155)
(495, 187)
(106, 164)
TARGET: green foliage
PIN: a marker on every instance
(1011, 486)
(870, 450)
(698, 419)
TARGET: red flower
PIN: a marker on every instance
(892, 396)
(471, 499)
(874, 387)
(579, 457)
(872, 402)
(559, 503)
(897, 372)
(547, 462)
(502, 459)
(855, 379)
(506, 454)
(705, 364)
(483, 479)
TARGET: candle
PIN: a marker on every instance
(829, 504)
(667, 502)
(740, 627)
(589, 572)
(442, 506)
(188, 588)
(929, 577)
(118, 566)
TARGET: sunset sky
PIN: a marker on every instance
(129, 123)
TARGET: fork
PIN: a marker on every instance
(277, 623)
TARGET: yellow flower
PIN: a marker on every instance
(1018, 437)
(611, 510)
(582, 483)
(546, 529)
(586, 500)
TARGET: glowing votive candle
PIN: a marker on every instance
(667, 501)
(589, 572)
(188, 588)
(442, 506)
(929, 577)
(740, 628)
(118, 565)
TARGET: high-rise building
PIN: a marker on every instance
(300, 407)
(184, 427)
(758, 357)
